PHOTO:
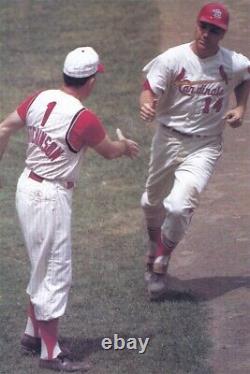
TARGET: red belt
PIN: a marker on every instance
(39, 179)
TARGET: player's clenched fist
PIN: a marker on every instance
(148, 104)
(234, 117)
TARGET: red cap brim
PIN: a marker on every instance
(101, 68)
(219, 24)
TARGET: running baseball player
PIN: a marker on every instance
(186, 90)
(59, 131)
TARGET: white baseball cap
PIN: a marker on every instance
(82, 62)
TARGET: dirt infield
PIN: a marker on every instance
(213, 260)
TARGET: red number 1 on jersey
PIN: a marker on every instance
(49, 109)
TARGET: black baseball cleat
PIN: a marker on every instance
(30, 345)
(64, 364)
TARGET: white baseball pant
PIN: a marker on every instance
(179, 170)
(44, 211)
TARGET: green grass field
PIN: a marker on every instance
(108, 295)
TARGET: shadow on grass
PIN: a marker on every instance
(202, 289)
(176, 296)
(81, 347)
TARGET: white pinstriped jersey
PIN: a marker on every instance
(59, 131)
(194, 92)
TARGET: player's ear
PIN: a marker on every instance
(91, 81)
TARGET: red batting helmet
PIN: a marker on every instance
(216, 14)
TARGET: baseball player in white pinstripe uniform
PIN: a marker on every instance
(59, 131)
(187, 91)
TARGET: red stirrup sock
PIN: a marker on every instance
(163, 252)
(49, 336)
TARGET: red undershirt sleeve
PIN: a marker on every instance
(86, 130)
(146, 86)
(23, 107)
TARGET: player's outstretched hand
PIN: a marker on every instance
(234, 117)
(132, 148)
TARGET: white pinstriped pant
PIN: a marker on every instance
(179, 170)
(44, 211)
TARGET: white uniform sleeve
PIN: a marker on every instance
(158, 73)
(241, 67)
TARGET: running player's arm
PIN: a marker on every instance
(148, 100)
(9, 126)
(235, 116)
(157, 74)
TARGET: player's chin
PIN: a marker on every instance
(202, 45)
